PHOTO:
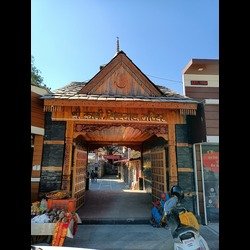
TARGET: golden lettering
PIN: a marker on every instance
(160, 118)
(135, 117)
(113, 115)
(100, 114)
(117, 116)
(125, 117)
(151, 117)
(144, 118)
(110, 115)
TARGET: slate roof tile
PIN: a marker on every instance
(71, 90)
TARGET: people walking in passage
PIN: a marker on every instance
(95, 176)
(92, 176)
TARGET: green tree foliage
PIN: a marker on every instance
(36, 78)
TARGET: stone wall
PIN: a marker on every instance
(53, 155)
(185, 166)
(50, 181)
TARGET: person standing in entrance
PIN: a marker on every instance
(95, 176)
(87, 180)
(92, 175)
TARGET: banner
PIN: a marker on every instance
(210, 160)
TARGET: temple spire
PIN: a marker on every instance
(117, 45)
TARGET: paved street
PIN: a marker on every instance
(104, 237)
(117, 218)
(111, 200)
(121, 237)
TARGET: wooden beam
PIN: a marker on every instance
(91, 121)
(185, 170)
(164, 171)
(94, 144)
(52, 168)
(67, 156)
(50, 104)
(172, 155)
(35, 173)
(182, 144)
(54, 142)
(118, 115)
(165, 136)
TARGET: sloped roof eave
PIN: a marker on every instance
(121, 99)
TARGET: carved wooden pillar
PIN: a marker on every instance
(67, 156)
(172, 155)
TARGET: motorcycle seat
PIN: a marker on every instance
(183, 229)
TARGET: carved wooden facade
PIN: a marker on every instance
(37, 132)
(119, 105)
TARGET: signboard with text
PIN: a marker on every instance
(199, 83)
(210, 161)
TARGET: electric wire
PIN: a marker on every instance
(180, 82)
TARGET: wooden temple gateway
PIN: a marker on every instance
(120, 105)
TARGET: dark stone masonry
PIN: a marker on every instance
(53, 155)
(50, 181)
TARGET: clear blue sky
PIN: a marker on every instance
(70, 39)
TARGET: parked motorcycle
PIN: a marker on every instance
(182, 223)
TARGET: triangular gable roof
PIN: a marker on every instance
(121, 77)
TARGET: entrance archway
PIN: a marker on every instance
(119, 105)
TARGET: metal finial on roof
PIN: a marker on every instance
(117, 45)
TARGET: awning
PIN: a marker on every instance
(112, 157)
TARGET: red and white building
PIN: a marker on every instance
(201, 82)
